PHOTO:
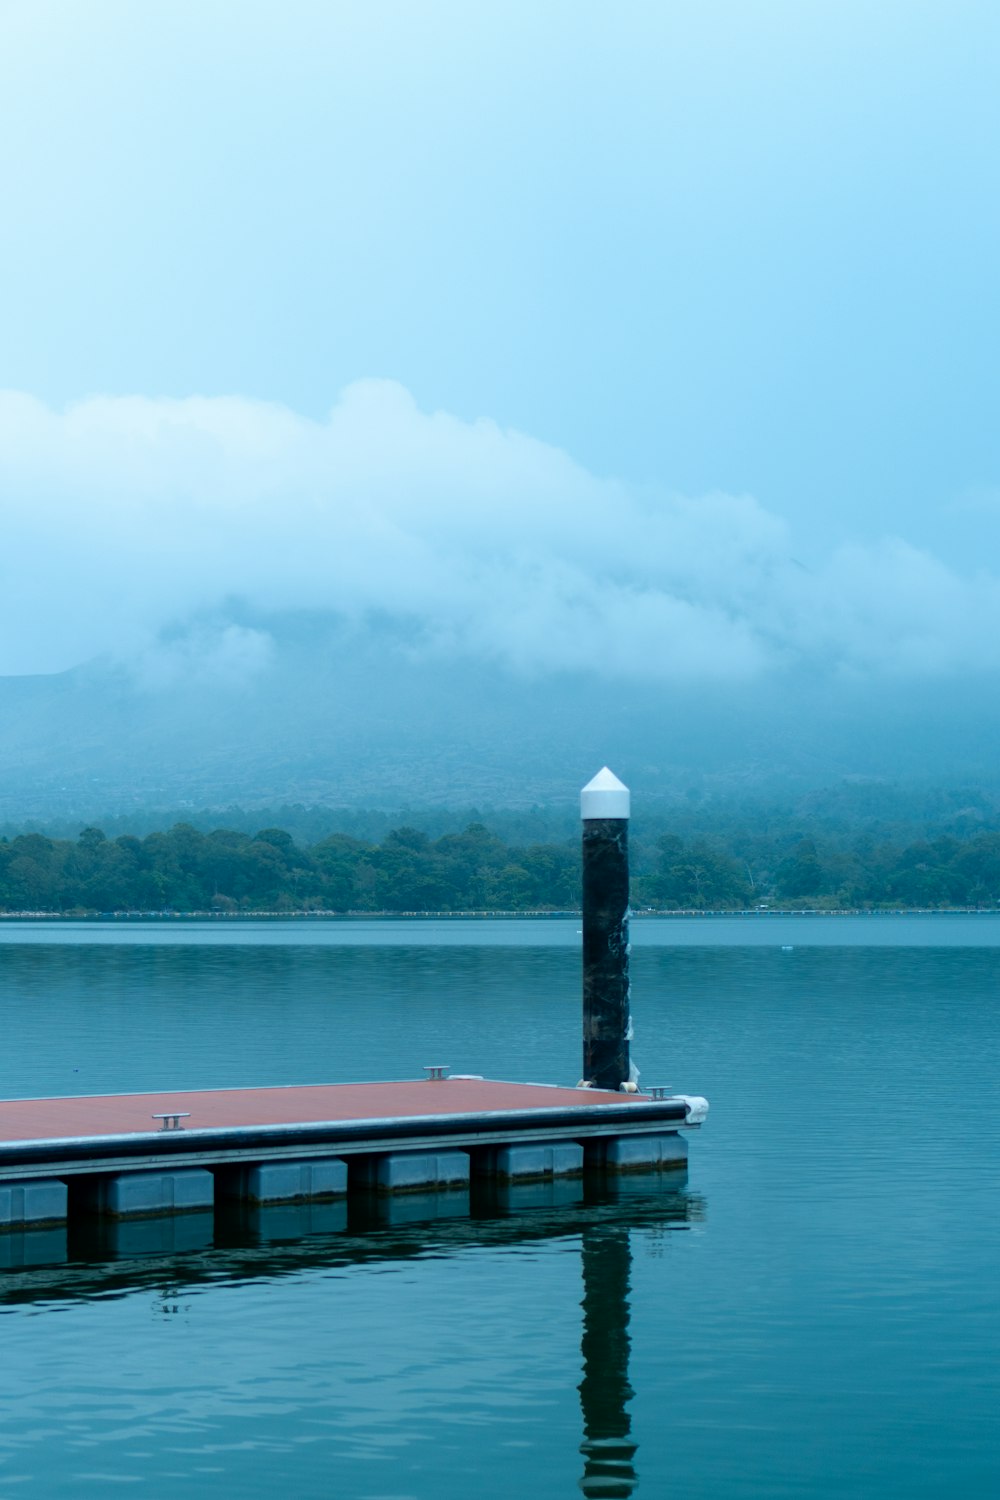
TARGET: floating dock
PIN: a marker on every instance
(135, 1156)
(138, 1155)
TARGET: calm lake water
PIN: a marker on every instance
(815, 1312)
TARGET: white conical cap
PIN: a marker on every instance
(605, 797)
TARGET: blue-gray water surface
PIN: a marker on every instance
(815, 1312)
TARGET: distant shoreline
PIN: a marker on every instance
(540, 915)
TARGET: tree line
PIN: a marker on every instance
(227, 871)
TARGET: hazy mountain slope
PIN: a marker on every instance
(347, 720)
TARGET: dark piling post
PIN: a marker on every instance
(605, 808)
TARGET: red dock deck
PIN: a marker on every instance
(102, 1115)
(220, 1127)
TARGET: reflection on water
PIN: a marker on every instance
(607, 1448)
(830, 1331)
(33, 1247)
(183, 1260)
(255, 1241)
(136, 1239)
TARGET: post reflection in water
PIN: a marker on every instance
(606, 1389)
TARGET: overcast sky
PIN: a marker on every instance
(657, 336)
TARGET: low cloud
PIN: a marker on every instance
(204, 655)
(129, 522)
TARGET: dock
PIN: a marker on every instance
(147, 1156)
(125, 1155)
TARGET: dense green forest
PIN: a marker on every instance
(228, 871)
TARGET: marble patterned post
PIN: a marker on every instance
(605, 808)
